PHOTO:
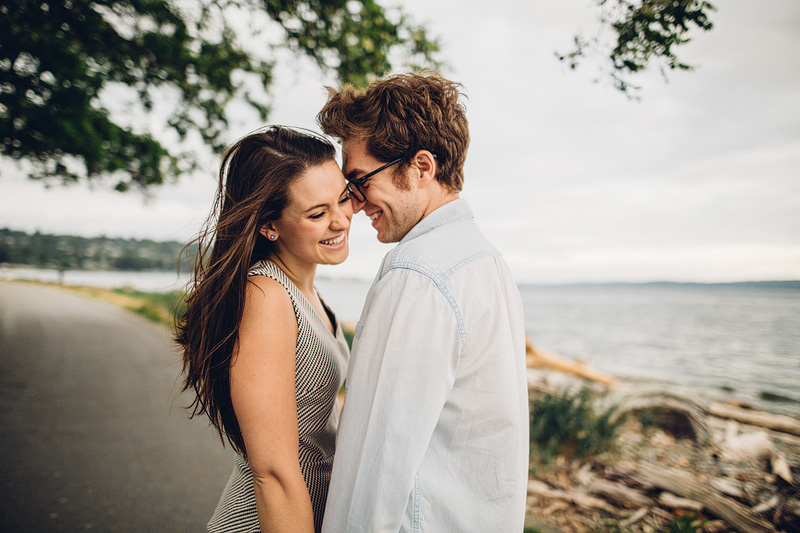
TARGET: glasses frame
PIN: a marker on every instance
(356, 186)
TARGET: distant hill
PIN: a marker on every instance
(787, 284)
(69, 252)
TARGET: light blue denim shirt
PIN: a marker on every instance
(434, 430)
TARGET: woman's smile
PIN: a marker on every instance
(336, 242)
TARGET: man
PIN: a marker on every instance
(434, 431)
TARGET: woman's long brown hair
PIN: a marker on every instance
(253, 190)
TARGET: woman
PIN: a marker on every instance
(263, 354)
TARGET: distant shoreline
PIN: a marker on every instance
(766, 284)
(772, 284)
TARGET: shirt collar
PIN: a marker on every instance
(453, 211)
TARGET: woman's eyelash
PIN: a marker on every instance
(317, 216)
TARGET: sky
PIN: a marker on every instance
(699, 180)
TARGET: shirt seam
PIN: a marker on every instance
(417, 495)
(439, 281)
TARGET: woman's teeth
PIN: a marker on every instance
(334, 242)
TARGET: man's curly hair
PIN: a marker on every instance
(401, 114)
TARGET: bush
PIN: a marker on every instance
(565, 424)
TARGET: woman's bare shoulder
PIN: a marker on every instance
(268, 307)
(263, 290)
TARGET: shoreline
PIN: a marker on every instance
(53, 274)
(569, 373)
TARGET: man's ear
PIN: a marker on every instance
(426, 165)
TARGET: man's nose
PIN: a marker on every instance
(358, 205)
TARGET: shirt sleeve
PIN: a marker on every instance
(402, 370)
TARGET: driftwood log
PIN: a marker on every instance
(680, 416)
(676, 502)
(687, 486)
(620, 494)
(538, 488)
(771, 421)
(635, 517)
(781, 468)
(538, 358)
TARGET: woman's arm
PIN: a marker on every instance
(263, 395)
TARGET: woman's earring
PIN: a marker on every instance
(273, 237)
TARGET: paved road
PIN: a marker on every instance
(92, 431)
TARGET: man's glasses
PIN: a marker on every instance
(356, 187)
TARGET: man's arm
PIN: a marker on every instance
(402, 370)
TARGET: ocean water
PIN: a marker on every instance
(730, 343)
(727, 343)
(141, 281)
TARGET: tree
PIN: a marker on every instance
(646, 31)
(59, 57)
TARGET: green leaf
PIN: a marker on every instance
(647, 31)
(56, 58)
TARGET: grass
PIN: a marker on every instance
(648, 418)
(159, 307)
(348, 331)
(688, 523)
(566, 425)
(163, 307)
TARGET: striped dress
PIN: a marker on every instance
(320, 365)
